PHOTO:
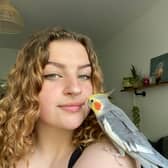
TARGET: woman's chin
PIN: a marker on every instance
(72, 125)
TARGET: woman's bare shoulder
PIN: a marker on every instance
(104, 154)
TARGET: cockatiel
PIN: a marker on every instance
(123, 133)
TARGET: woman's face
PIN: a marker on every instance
(67, 85)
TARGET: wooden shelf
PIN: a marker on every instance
(143, 93)
(143, 87)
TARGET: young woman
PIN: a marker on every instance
(44, 119)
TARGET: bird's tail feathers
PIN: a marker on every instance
(157, 158)
(145, 163)
(154, 160)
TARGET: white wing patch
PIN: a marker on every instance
(112, 135)
(143, 149)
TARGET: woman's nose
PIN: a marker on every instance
(72, 86)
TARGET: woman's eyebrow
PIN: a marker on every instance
(85, 66)
(60, 65)
(56, 64)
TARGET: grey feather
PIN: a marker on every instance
(121, 130)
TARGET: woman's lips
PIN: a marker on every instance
(71, 107)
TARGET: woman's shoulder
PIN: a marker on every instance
(104, 154)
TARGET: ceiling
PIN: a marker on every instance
(100, 19)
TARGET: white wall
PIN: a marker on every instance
(137, 44)
(7, 59)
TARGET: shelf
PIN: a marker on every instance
(143, 87)
(142, 93)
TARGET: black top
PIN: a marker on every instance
(75, 155)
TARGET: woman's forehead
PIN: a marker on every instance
(62, 51)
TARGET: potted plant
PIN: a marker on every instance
(136, 79)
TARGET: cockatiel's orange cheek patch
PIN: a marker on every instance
(97, 105)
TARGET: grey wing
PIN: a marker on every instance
(118, 112)
(133, 140)
(126, 129)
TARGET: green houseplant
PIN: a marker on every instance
(136, 115)
(136, 79)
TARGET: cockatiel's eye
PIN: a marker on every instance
(91, 100)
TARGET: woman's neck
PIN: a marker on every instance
(53, 148)
(53, 142)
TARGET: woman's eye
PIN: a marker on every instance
(52, 76)
(85, 77)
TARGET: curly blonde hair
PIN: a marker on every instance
(19, 109)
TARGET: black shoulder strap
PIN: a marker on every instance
(75, 155)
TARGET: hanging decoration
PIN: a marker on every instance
(11, 21)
